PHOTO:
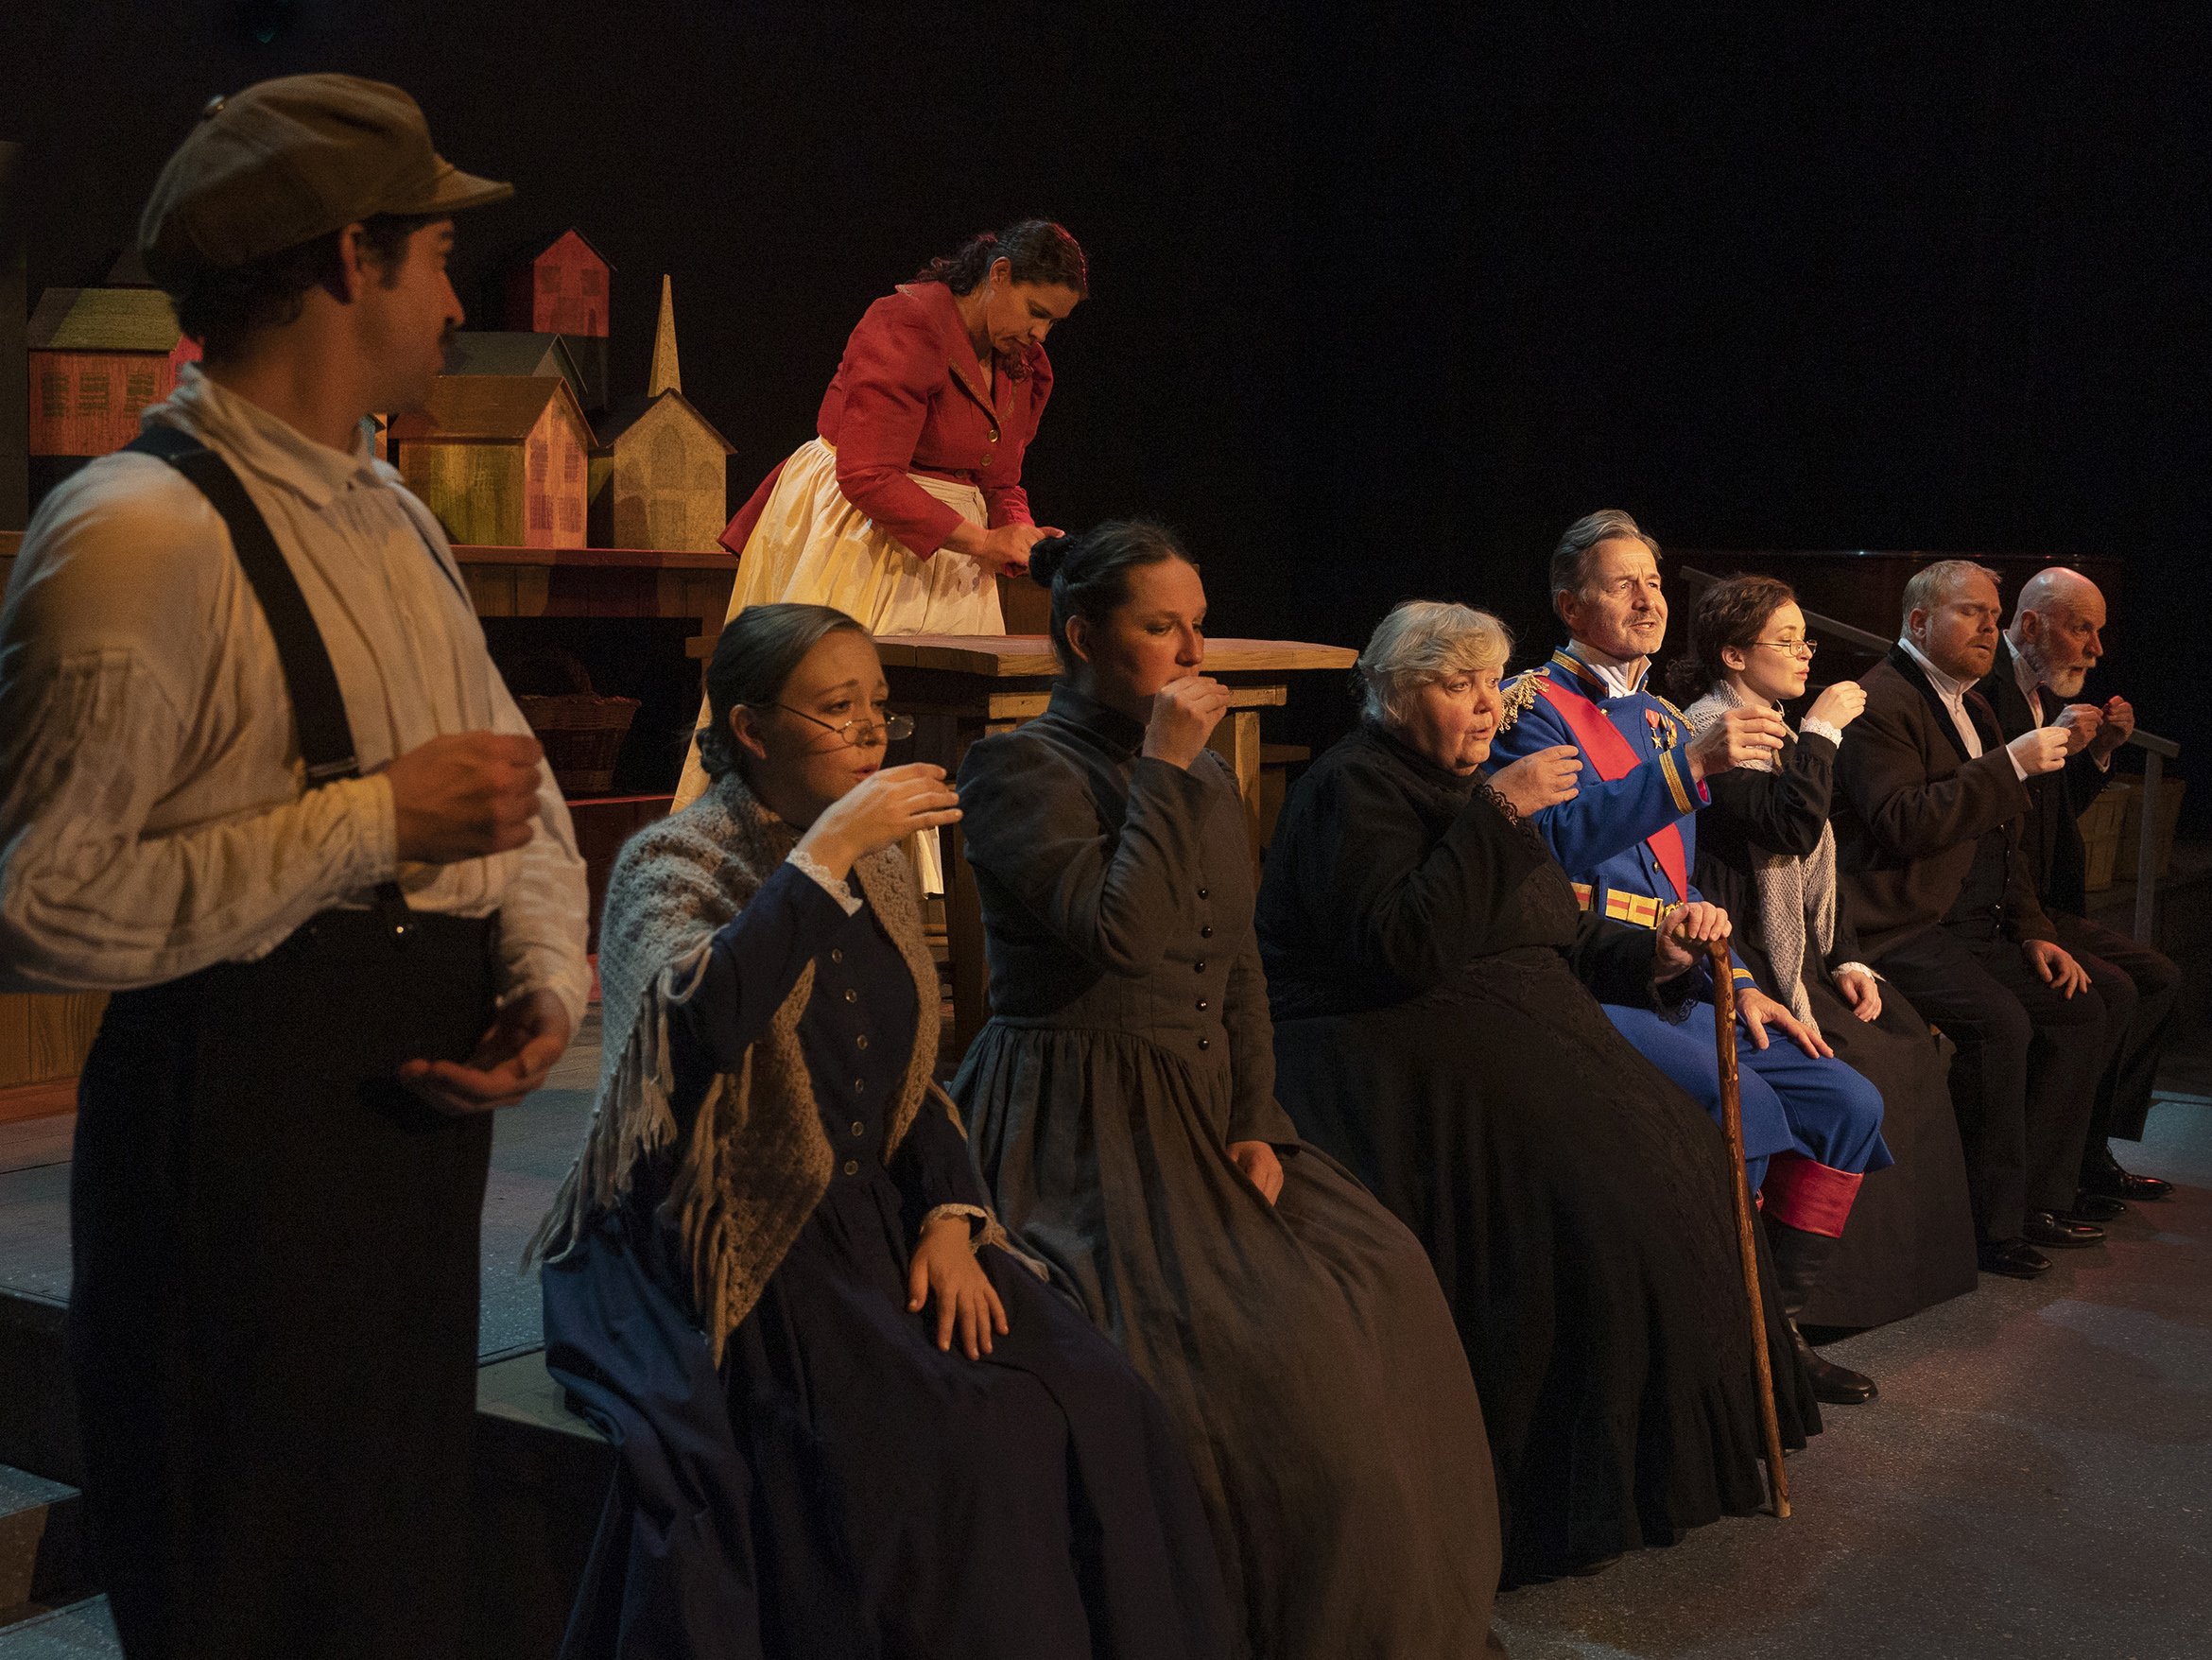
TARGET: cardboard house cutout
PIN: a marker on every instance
(661, 478)
(501, 459)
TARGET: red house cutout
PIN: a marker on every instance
(560, 290)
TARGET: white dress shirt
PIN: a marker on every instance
(154, 818)
(1953, 692)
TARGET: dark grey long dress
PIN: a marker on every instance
(1302, 1346)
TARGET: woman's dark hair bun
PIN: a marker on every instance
(1045, 558)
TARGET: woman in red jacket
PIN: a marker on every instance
(909, 500)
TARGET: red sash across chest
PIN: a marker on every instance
(1613, 756)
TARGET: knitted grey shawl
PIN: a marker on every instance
(756, 1161)
(1797, 896)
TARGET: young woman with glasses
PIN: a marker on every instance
(1766, 854)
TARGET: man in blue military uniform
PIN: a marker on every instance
(1812, 1125)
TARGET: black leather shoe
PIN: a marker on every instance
(2047, 1228)
(1832, 1385)
(2014, 1259)
(2101, 1175)
(2093, 1208)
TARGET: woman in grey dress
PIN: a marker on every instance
(1121, 1103)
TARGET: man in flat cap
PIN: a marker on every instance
(260, 781)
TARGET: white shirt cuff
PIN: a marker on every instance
(1844, 968)
(818, 874)
(378, 860)
(1812, 726)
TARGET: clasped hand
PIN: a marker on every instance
(1739, 735)
(1699, 921)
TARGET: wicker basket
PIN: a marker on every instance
(2101, 822)
(582, 731)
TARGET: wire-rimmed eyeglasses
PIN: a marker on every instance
(861, 728)
(1805, 648)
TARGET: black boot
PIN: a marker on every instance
(1798, 1259)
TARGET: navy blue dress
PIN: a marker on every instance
(843, 1487)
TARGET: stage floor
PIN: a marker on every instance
(2036, 1480)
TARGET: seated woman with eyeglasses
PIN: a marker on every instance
(1765, 854)
(849, 1420)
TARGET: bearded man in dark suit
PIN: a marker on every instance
(2057, 636)
(1931, 809)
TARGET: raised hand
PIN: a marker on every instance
(880, 811)
(2043, 750)
(1184, 713)
(1739, 735)
(464, 795)
(1540, 780)
(2117, 728)
(2082, 723)
(1839, 705)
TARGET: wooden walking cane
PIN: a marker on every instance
(1732, 1122)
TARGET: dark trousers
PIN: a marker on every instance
(2024, 1078)
(2139, 987)
(273, 1319)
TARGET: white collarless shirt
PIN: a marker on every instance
(1952, 691)
(154, 818)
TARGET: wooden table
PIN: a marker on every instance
(961, 687)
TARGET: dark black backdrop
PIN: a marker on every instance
(1384, 297)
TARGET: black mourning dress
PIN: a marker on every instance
(1301, 1346)
(1426, 964)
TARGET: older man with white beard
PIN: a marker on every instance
(2057, 636)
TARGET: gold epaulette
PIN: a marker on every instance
(1519, 693)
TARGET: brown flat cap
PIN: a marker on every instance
(287, 161)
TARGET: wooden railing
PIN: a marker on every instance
(2156, 751)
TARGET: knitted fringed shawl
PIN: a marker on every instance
(756, 1161)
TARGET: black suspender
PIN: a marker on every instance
(326, 737)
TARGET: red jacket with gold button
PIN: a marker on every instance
(909, 397)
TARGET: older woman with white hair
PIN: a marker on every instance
(1435, 991)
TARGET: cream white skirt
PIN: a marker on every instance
(813, 546)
